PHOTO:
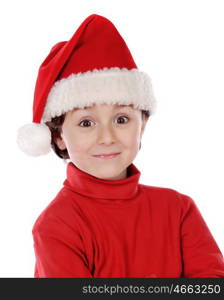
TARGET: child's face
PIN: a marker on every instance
(101, 129)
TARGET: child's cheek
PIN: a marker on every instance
(83, 144)
(135, 136)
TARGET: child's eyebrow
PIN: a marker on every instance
(126, 106)
(114, 107)
(89, 108)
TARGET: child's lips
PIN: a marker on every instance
(107, 156)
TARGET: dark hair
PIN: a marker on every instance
(55, 126)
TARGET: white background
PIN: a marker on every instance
(179, 44)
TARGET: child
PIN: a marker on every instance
(103, 222)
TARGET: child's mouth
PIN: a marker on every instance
(107, 156)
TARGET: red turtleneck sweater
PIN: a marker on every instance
(102, 228)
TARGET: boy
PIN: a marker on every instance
(91, 104)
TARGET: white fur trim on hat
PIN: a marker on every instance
(34, 139)
(108, 85)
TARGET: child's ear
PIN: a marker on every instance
(60, 143)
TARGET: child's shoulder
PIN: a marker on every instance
(166, 194)
(58, 211)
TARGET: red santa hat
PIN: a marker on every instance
(94, 67)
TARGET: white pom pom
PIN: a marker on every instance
(34, 139)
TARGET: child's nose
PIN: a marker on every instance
(106, 134)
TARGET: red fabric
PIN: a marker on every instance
(101, 228)
(96, 44)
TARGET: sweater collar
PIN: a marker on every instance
(91, 186)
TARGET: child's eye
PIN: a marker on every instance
(85, 122)
(122, 117)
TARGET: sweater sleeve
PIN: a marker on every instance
(200, 252)
(59, 251)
